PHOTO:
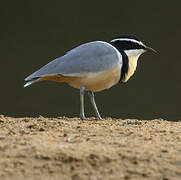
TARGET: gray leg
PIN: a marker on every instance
(91, 96)
(82, 115)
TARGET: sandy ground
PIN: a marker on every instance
(70, 148)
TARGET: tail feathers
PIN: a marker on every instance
(29, 83)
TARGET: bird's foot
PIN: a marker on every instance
(82, 116)
(99, 117)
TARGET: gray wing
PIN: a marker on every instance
(89, 58)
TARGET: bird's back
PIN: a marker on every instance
(82, 61)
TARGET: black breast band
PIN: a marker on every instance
(125, 66)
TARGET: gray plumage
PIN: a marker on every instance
(89, 58)
(93, 67)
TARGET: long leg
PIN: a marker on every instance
(91, 96)
(82, 115)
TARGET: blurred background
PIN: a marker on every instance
(33, 33)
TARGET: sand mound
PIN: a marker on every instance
(70, 148)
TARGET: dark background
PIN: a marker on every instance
(33, 33)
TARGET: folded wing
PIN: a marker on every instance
(84, 60)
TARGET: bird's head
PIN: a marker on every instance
(131, 45)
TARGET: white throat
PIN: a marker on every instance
(134, 52)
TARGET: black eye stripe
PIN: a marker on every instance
(131, 45)
(127, 45)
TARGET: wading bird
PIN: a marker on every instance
(94, 66)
